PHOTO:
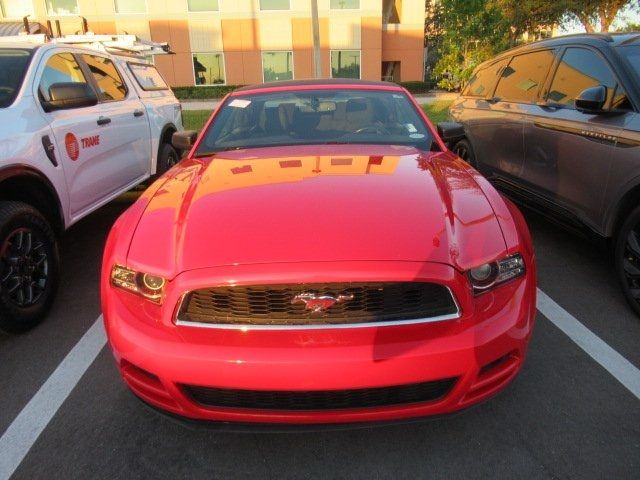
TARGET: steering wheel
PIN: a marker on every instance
(377, 129)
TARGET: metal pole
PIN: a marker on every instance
(317, 63)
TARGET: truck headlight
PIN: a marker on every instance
(489, 275)
(146, 285)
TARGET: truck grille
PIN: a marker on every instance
(320, 399)
(364, 303)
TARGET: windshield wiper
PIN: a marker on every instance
(212, 153)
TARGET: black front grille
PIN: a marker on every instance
(321, 399)
(272, 304)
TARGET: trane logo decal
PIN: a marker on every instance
(90, 141)
(73, 147)
(71, 143)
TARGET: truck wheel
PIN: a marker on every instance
(465, 152)
(167, 158)
(627, 259)
(29, 267)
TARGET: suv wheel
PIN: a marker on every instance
(465, 152)
(29, 266)
(627, 258)
(168, 158)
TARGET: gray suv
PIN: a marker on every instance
(556, 125)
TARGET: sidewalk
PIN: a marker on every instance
(422, 99)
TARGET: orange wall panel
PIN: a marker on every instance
(252, 63)
(233, 69)
(101, 27)
(179, 30)
(164, 64)
(302, 39)
(411, 63)
(240, 35)
(371, 32)
(402, 39)
(371, 64)
(183, 69)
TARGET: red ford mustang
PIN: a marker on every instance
(318, 257)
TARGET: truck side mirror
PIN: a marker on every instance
(184, 140)
(68, 95)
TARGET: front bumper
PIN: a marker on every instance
(483, 349)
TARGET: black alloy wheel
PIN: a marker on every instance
(627, 259)
(29, 267)
(167, 158)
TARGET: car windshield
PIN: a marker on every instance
(632, 54)
(312, 117)
(13, 65)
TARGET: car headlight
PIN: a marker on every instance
(491, 274)
(146, 285)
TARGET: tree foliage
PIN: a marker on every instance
(461, 34)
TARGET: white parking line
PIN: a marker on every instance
(618, 366)
(23, 432)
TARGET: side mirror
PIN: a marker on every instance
(67, 95)
(450, 132)
(592, 100)
(184, 140)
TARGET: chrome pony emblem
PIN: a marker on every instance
(320, 303)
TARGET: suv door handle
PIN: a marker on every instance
(138, 113)
(493, 100)
(104, 120)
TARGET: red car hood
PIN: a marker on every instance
(327, 203)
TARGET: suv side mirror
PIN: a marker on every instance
(67, 95)
(450, 132)
(592, 100)
(184, 140)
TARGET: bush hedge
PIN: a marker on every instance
(219, 91)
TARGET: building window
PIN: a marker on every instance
(15, 8)
(345, 4)
(391, 11)
(131, 6)
(274, 5)
(62, 7)
(345, 63)
(208, 68)
(202, 5)
(277, 66)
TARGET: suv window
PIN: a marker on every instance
(483, 80)
(61, 67)
(110, 84)
(147, 77)
(580, 69)
(522, 78)
(13, 65)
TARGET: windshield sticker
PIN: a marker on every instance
(411, 127)
(416, 135)
(239, 103)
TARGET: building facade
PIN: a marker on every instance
(240, 42)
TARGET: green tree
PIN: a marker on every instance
(472, 31)
(597, 13)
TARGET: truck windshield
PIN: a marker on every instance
(315, 117)
(13, 65)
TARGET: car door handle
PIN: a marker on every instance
(493, 100)
(104, 120)
(138, 113)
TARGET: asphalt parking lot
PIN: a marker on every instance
(565, 416)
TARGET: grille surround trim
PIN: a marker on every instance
(316, 326)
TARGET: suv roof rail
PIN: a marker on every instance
(125, 45)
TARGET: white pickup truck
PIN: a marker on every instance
(78, 126)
